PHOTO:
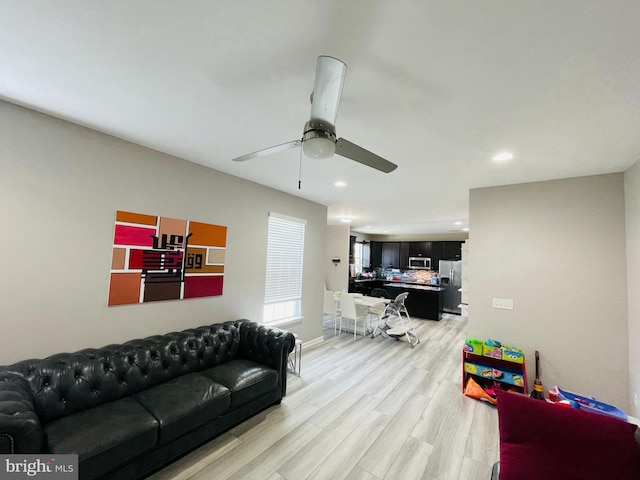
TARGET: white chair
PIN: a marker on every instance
(351, 311)
(331, 310)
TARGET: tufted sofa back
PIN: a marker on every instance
(70, 382)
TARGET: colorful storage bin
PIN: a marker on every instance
(477, 369)
(505, 376)
(471, 345)
(511, 354)
(491, 351)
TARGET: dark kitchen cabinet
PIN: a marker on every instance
(396, 254)
(404, 254)
(451, 250)
(420, 249)
(376, 254)
(436, 255)
(421, 303)
(391, 254)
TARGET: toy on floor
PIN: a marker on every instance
(473, 390)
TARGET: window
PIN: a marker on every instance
(357, 257)
(283, 285)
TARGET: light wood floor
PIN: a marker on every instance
(369, 409)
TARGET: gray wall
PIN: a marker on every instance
(337, 246)
(60, 185)
(557, 248)
(632, 203)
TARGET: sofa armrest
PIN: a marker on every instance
(267, 345)
(20, 428)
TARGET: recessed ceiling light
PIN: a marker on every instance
(340, 183)
(368, 226)
(457, 223)
(345, 219)
(503, 157)
(466, 229)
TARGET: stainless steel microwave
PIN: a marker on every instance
(422, 263)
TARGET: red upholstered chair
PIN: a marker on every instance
(541, 440)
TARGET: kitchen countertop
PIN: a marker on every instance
(416, 286)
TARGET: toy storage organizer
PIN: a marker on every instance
(494, 364)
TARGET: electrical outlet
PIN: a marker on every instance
(502, 303)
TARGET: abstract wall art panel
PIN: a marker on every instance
(159, 258)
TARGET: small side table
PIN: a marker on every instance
(295, 358)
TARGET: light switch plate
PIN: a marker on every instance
(502, 303)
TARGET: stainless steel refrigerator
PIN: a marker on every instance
(451, 280)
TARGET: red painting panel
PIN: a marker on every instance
(138, 236)
(202, 286)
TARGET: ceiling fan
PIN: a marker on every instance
(319, 135)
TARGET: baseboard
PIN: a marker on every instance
(312, 342)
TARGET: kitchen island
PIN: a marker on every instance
(424, 301)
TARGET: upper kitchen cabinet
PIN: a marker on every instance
(451, 250)
(404, 255)
(391, 254)
(376, 255)
(420, 249)
(436, 255)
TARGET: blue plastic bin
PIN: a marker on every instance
(590, 404)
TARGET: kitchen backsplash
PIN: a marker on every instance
(419, 276)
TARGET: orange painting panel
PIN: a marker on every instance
(117, 259)
(140, 218)
(124, 288)
(172, 226)
(207, 234)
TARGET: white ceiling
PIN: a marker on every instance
(436, 87)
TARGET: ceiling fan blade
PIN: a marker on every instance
(350, 150)
(330, 73)
(269, 151)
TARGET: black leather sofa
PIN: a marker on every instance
(130, 409)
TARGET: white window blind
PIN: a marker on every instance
(285, 253)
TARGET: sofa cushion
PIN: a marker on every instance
(117, 431)
(541, 440)
(185, 403)
(246, 379)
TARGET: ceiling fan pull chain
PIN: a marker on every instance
(300, 170)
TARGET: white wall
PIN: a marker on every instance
(632, 204)
(557, 249)
(336, 277)
(60, 185)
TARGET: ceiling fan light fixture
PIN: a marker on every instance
(319, 147)
(318, 141)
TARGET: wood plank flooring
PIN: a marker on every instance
(370, 409)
